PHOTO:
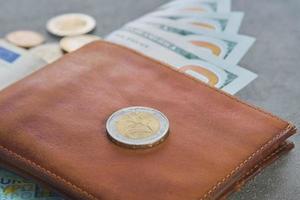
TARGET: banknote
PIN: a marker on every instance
(14, 187)
(218, 22)
(220, 48)
(199, 6)
(16, 63)
(227, 78)
(18, 191)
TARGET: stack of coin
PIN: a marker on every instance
(73, 27)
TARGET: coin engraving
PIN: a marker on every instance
(137, 127)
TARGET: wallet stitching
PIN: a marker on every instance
(260, 164)
(243, 178)
(207, 194)
(59, 178)
(193, 78)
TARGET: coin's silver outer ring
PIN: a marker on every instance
(51, 27)
(147, 142)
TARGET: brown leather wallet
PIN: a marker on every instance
(52, 129)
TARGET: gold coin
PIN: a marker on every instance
(25, 38)
(71, 24)
(137, 127)
(73, 43)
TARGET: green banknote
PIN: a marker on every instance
(183, 58)
(229, 47)
(14, 187)
(217, 22)
(199, 5)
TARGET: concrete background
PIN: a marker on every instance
(275, 57)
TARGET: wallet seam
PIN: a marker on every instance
(57, 177)
(244, 178)
(283, 132)
(260, 164)
(193, 78)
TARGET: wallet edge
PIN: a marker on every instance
(259, 167)
(282, 147)
(220, 188)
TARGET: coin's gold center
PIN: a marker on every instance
(138, 125)
(71, 24)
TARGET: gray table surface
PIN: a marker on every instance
(275, 57)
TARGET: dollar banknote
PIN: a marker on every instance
(217, 22)
(14, 187)
(16, 63)
(228, 47)
(228, 78)
(199, 6)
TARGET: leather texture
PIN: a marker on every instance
(52, 128)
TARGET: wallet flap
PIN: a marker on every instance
(52, 126)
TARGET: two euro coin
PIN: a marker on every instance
(137, 127)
